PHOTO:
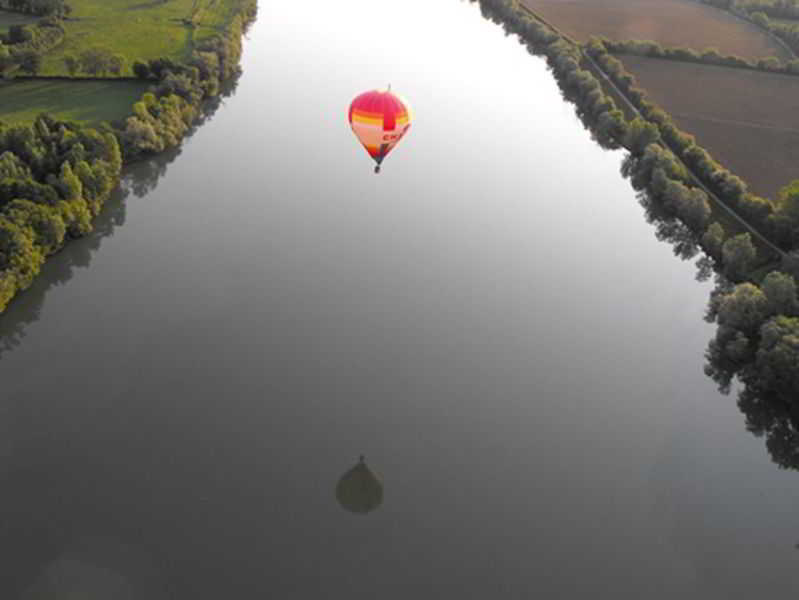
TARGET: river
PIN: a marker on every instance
(490, 320)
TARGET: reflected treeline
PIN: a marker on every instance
(138, 180)
(775, 419)
(756, 343)
(26, 308)
(757, 338)
(669, 229)
(142, 177)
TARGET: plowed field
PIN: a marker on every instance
(669, 22)
(748, 120)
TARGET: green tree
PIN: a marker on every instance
(113, 153)
(95, 61)
(116, 63)
(761, 19)
(18, 253)
(11, 167)
(6, 59)
(19, 34)
(141, 69)
(738, 254)
(711, 55)
(640, 134)
(72, 64)
(780, 292)
(47, 226)
(690, 204)
(769, 63)
(744, 309)
(8, 288)
(713, 239)
(788, 201)
(68, 184)
(29, 61)
(778, 356)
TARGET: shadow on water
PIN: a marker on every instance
(775, 419)
(360, 489)
(138, 180)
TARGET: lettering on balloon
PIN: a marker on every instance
(390, 137)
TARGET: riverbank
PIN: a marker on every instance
(756, 309)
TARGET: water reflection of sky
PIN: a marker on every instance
(490, 320)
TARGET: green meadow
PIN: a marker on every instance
(87, 102)
(138, 29)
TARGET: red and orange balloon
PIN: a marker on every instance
(379, 120)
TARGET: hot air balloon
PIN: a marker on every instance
(359, 490)
(379, 119)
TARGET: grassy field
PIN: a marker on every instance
(669, 22)
(7, 19)
(748, 120)
(137, 29)
(87, 102)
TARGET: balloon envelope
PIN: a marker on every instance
(359, 490)
(379, 119)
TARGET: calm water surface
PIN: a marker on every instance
(490, 321)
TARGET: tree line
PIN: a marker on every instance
(54, 177)
(757, 338)
(709, 56)
(96, 61)
(39, 8)
(762, 13)
(776, 9)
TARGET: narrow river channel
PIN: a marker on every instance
(490, 321)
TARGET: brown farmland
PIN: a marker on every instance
(669, 22)
(747, 120)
